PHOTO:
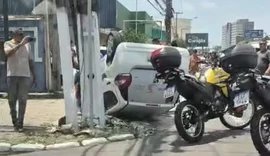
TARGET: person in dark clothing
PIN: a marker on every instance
(156, 41)
(77, 88)
(263, 64)
(174, 44)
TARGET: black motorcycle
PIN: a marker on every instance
(205, 101)
(260, 123)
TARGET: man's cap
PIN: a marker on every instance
(18, 31)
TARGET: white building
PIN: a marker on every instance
(232, 33)
(226, 35)
(180, 28)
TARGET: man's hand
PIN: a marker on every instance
(25, 40)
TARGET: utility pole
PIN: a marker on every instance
(168, 22)
(90, 61)
(5, 14)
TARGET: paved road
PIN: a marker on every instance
(218, 141)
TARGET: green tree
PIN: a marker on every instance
(267, 38)
(130, 35)
(181, 43)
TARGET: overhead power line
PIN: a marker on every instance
(161, 13)
(161, 7)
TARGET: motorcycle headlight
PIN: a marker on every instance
(202, 79)
(197, 75)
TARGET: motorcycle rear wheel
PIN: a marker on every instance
(255, 131)
(182, 122)
(241, 126)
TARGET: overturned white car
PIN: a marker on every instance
(129, 78)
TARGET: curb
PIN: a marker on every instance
(6, 147)
(58, 95)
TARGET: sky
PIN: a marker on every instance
(212, 14)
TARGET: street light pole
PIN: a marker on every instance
(136, 18)
(5, 14)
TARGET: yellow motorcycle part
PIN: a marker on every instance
(217, 76)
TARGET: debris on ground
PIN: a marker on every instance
(50, 134)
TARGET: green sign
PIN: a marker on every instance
(197, 40)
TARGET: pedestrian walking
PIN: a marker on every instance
(19, 69)
(194, 61)
(263, 64)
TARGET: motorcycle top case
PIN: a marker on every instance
(242, 57)
(165, 58)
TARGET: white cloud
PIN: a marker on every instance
(187, 7)
(208, 4)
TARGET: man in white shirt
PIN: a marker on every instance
(19, 69)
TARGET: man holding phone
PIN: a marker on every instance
(19, 69)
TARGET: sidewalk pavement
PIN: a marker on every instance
(56, 95)
(217, 141)
(38, 111)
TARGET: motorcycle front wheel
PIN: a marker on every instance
(260, 131)
(234, 122)
(186, 118)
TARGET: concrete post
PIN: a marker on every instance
(67, 69)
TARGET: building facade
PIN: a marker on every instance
(226, 35)
(233, 33)
(180, 27)
(126, 19)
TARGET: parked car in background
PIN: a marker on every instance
(129, 77)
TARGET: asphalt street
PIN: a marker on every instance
(217, 141)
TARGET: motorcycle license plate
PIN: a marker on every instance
(241, 99)
(169, 92)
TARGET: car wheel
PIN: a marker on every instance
(113, 40)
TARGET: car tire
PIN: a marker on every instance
(113, 40)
